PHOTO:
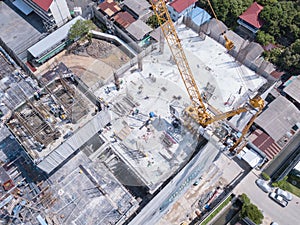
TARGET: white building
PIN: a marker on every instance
(54, 13)
(179, 8)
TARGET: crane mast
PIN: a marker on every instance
(198, 109)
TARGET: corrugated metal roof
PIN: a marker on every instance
(124, 19)
(52, 39)
(61, 153)
(138, 29)
(278, 119)
(293, 89)
(26, 9)
(140, 7)
(265, 143)
(199, 16)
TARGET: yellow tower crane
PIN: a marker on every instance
(197, 110)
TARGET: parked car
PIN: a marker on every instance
(263, 185)
(277, 198)
(285, 194)
(274, 223)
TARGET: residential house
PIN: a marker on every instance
(53, 13)
(265, 143)
(109, 8)
(179, 8)
(250, 18)
(140, 9)
(123, 19)
(138, 30)
(196, 18)
(280, 120)
(52, 44)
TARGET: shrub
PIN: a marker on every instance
(265, 176)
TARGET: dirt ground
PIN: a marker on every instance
(107, 52)
(94, 63)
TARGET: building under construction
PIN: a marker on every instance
(102, 155)
(51, 114)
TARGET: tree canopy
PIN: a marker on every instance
(226, 10)
(251, 211)
(281, 27)
(153, 21)
(80, 29)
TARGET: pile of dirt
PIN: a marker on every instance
(99, 49)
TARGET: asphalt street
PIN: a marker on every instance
(284, 216)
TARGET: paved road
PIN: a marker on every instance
(289, 215)
(161, 203)
(283, 156)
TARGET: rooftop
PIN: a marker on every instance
(292, 88)
(140, 7)
(138, 29)
(124, 19)
(16, 32)
(15, 85)
(199, 16)
(251, 15)
(52, 39)
(265, 143)
(109, 7)
(279, 118)
(44, 4)
(181, 5)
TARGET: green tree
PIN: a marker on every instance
(245, 199)
(273, 55)
(81, 29)
(264, 38)
(265, 176)
(249, 210)
(266, 2)
(282, 21)
(290, 58)
(227, 11)
(153, 21)
(252, 212)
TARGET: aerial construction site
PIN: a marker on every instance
(125, 147)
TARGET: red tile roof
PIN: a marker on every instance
(109, 7)
(251, 15)
(180, 5)
(44, 4)
(124, 19)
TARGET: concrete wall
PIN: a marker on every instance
(121, 71)
(247, 53)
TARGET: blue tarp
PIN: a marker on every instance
(199, 16)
